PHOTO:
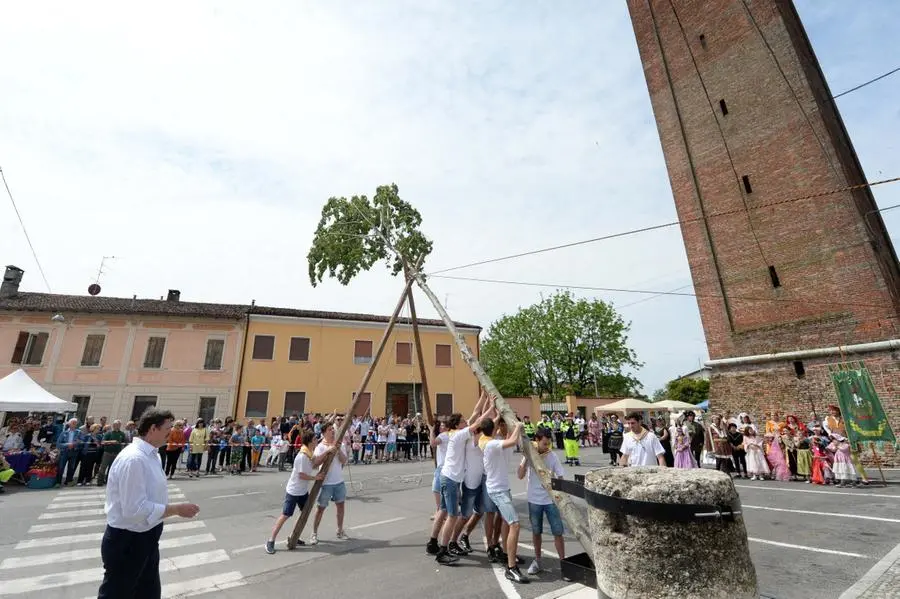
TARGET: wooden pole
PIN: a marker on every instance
(420, 357)
(345, 425)
(569, 511)
(877, 462)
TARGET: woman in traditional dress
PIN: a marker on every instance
(821, 466)
(844, 472)
(662, 432)
(804, 456)
(775, 455)
(720, 445)
(594, 431)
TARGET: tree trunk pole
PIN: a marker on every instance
(345, 425)
(569, 511)
(426, 400)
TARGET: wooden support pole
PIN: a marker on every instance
(420, 357)
(573, 517)
(345, 425)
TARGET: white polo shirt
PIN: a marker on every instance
(642, 452)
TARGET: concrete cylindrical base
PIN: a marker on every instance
(642, 557)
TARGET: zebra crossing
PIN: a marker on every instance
(60, 557)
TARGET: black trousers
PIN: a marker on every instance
(130, 564)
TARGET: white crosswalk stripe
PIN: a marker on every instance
(70, 544)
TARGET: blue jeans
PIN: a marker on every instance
(450, 496)
(67, 461)
(503, 501)
(471, 500)
(536, 514)
(337, 492)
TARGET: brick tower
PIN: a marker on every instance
(785, 286)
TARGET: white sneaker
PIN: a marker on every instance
(534, 568)
(313, 539)
(342, 535)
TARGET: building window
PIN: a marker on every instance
(29, 349)
(442, 355)
(215, 351)
(364, 403)
(294, 403)
(362, 352)
(443, 404)
(93, 348)
(156, 346)
(207, 409)
(142, 403)
(263, 347)
(404, 352)
(82, 401)
(257, 404)
(299, 349)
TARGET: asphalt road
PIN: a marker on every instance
(805, 541)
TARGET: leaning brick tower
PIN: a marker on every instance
(786, 286)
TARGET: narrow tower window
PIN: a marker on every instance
(799, 369)
(773, 274)
(746, 181)
(724, 107)
(703, 41)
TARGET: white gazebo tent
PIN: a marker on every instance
(673, 405)
(629, 404)
(19, 393)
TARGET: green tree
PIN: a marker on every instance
(688, 390)
(659, 395)
(353, 234)
(561, 346)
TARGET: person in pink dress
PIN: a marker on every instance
(684, 458)
(780, 470)
(757, 467)
(844, 472)
(594, 431)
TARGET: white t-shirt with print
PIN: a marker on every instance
(496, 466)
(295, 485)
(643, 452)
(455, 461)
(336, 471)
(537, 494)
(474, 465)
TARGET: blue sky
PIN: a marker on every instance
(198, 142)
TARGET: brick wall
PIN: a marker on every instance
(760, 388)
(778, 127)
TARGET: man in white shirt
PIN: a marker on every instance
(641, 447)
(539, 502)
(452, 474)
(439, 441)
(136, 505)
(296, 492)
(333, 488)
(496, 469)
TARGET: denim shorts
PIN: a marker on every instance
(436, 485)
(337, 492)
(471, 500)
(503, 501)
(291, 502)
(450, 496)
(536, 514)
(487, 505)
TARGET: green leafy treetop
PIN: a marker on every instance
(354, 234)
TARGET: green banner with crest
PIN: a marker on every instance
(864, 416)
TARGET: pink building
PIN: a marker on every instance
(115, 357)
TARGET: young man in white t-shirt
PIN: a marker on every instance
(333, 488)
(539, 502)
(452, 474)
(439, 440)
(641, 447)
(496, 469)
(296, 492)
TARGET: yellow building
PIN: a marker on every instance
(298, 361)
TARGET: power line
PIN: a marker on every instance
(869, 82)
(657, 293)
(669, 224)
(25, 231)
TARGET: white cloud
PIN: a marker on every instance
(198, 141)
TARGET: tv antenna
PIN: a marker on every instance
(94, 288)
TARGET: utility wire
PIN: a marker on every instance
(669, 224)
(25, 231)
(659, 293)
(869, 82)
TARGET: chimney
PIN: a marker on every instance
(11, 279)
(174, 295)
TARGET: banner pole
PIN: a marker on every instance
(877, 462)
